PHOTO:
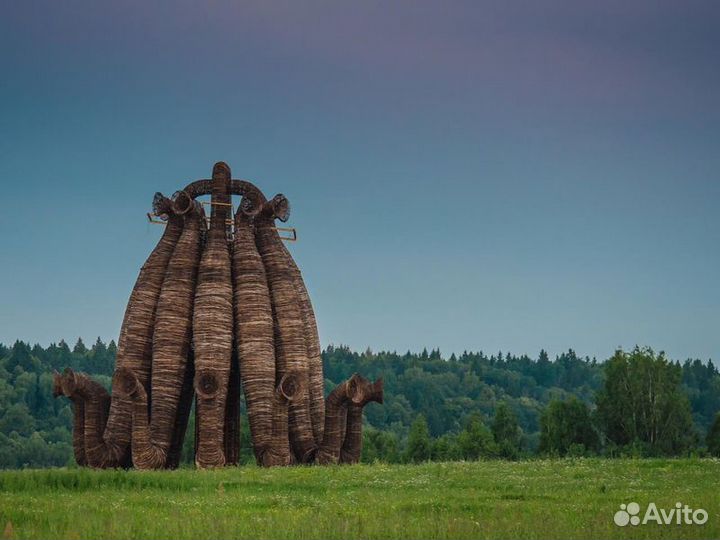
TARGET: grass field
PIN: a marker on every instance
(492, 499)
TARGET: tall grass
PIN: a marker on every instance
(493, 499)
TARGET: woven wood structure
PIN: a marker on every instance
(213, 328)
(290, 346)
(316, 382)
(342, 441)
(351, 449)
(152, 437)
(254, 338)
(217, 308)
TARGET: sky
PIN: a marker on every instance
(463, 175)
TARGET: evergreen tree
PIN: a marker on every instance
(80, 348)
(64, 356)
(97, 360)
(111, 356)
(20, 357)
(544, 369)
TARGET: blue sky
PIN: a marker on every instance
(463, 175)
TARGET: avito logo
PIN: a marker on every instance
(629, 514)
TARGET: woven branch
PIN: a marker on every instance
(78, 430)
(341, 407)
(351, 449)
(95, 405)
(171, 347)
(213, 329)
(183, 415)
(316, 379)
(187, 396)
(127, 385)
(254, 336)
(278, 453)
(336, 407)
(290, 347)
(204, 187)
(109, 445)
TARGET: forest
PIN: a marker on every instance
(462, 407)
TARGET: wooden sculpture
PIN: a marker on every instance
(213, 309)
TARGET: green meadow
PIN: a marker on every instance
(487, 499)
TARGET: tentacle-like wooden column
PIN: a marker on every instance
(152, 437)
(343, 419)
(336, 407)
(181, 421)
(278, 453)
(351, 449)
(254, 338)
(316, 381)
(108, 445)
(78, 430)
(89, 397)
(290, 347)
(213, 328)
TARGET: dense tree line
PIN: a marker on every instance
(467, 406)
